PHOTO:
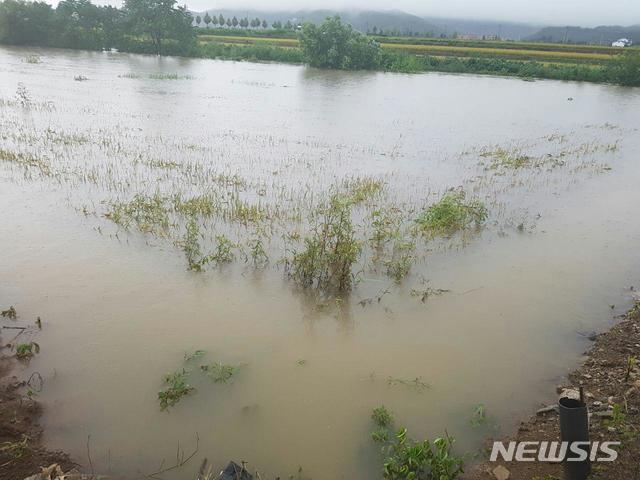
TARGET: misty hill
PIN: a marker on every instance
(391, 20)
(506, 30)
(598, 35)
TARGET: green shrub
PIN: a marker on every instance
(334, 44)
(331, 250)
(450, 214)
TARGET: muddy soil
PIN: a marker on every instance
(611, 381)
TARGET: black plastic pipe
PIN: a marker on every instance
(574, 427)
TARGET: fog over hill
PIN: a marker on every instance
(598, 35)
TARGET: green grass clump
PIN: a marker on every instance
(508, 159)
(362, 189)
(10, 313)
(402, 258)
(168, 76)
(382, 417)
(220, 372)
(407, 459)
(34, 59)
(191, 246)
(204, 205)
(148, 213)
(453, 212)
(330, 252)
(176, 388)
(224, 250)
(479, 416)
(25, 351)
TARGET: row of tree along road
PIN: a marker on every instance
(162, 27)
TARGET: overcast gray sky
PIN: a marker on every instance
(555, 12)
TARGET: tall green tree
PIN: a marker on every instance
(625, 69)
(207, 19)
(334, 44)
(25, 23)
(159, 21)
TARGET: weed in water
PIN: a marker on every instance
(148, 213)
(330, 252)
(22, 95)
(362, 189)
(10, 313)
(34, 59)
(451, 214)
(224, 250)
(220, 372)
(382, 417)
(191, 245)
(406, 459)
(384, 224)
(257, 253)
(402, 257)
(176, 388)
(415, 383)
(508, 159)
(479, 416)
(25, 351)
(425, 291)
(191, 356)
(380, 435)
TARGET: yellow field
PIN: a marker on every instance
(566, 54)
(280, 42)
(494, 52)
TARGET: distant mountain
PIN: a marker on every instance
(390, 20)
(505, 30)
(602, 35)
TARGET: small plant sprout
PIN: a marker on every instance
(631, 365)
(176, 388)
(479, 416)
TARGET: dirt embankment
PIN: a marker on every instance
(611, 382)
(21, 451)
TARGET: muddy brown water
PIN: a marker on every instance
(120, 309)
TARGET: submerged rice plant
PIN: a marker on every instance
(453, 212)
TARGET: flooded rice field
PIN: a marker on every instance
(278, 239)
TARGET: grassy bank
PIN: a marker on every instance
(404, 62)
(413, 55)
